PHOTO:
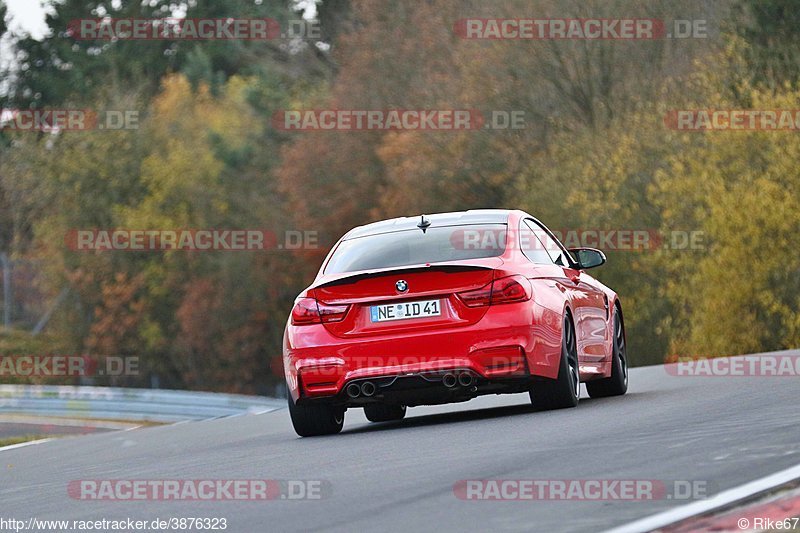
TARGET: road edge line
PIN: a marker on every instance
(23, 444)
(723, 499)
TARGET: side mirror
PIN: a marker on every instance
(587, 257)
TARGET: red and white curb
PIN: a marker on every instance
(721, 500)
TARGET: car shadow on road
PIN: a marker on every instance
(478, 414)
(446, 418)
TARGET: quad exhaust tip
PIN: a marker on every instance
(368, 388)
(353, 390)
(449, 380)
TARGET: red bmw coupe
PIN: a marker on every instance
(442, 308)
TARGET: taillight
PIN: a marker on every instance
(310, 311)
(501, 291)
(305, 312)
(477, 297)
(332, 313)
(511, 289)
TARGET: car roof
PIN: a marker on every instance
(456, 218)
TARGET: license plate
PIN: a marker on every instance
(401, 311)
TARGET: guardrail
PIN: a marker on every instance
(113, 403)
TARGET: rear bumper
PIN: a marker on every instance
(510, 341)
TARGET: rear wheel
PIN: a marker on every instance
(312, 420)
(380, 412)
(617, 383)
(564, 391)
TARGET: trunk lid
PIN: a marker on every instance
(426, 284)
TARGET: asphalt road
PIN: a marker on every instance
(400, 476)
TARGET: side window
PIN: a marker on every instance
(550, 245)
(531, 246)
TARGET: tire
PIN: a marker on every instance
(380, 412)
(312, 420)
(564, 391)
(617, 383)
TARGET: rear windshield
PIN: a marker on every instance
(412, 247)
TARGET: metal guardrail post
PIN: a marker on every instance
(6, 265)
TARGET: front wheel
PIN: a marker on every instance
(617, 383)
(312, 420)
(564, 391)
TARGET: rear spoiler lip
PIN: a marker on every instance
(352, 277)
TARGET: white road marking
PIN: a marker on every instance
(23, 444)
(722, 499)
